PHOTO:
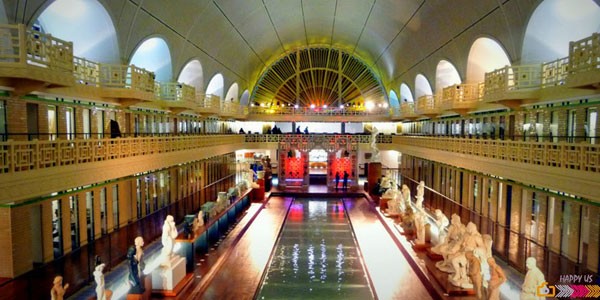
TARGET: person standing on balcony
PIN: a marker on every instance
(337, 180)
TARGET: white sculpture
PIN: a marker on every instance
(394, 204)
(451, 246)
(420, 220)
(101, 293)
(471, 240)
(441, 221)
(420, 194)
(169, 233)
(375, 156)
(533, 279)
(406, 195)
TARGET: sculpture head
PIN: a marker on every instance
(471, 227)
(58, 280)
(422, 183)
(139, 241)
(530, 263)
(169, 219)
(455, 219)
(438, 214)
(200, 214)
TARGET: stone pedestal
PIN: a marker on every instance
(373, 171)
(167, 277)
(147, 279)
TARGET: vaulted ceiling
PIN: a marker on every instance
(241, 38)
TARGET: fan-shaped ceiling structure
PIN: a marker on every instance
(318, 77)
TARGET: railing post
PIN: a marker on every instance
(22, 44)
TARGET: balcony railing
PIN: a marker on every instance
(429, 105)
(513, 78)
(583, 156)
(584, 55)
(462, 96)
(307, 111)
(174, 91)
(18, 156)
(306, 138)
(126, 77)
(208, 102)
(554, 73)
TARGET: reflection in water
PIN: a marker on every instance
(316, 256)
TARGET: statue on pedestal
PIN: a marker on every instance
(533, 279)
(406, 195)
(451, 246)
(393, 205)
(135, 255)
(420, 220)
(470, 241)
(58, 290)
(199, 221)
(497, 278)
(169, 234)
(441, 221)
(420, 194)
(101, 293)
(375, 156)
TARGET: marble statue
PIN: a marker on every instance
(375, 156)
(471, 240)
(441, 221)
(406, 195)
(58, 290)
(169, 234)
(487, 242)
(497, 278)
(420, 220)
(221, 202)
(454, 236)
(533, 279)
(393, 204)
(101, 292)
(475, 274)
(135, 255)
(420, 194)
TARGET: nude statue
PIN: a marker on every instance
(58, 290)
(453, 237)
(406, 195)
(441, 221)
(420, 220)
(375, 156)
(101, 292)
(169, 234)
(533, 278)
(471, 240)
(497, 278)
(475, 274)
(420, 194)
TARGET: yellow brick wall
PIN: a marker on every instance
(6, 254)
(21, 240)
(16, 115)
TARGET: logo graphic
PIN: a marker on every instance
(543, 290)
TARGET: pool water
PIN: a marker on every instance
(316, 256)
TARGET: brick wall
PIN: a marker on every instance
(6, 254)
(16, 118)
(21, 240)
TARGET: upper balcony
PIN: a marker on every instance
(317, 114)
(513, 85)
(208, 104)
(429, 105)
(174, 96)
(233, 110)
(31, 60)
(462, 98)
(584, 63)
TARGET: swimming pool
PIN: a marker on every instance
(316, 256)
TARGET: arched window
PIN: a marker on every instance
(485, 56)
(232, 93)
(153, 55)
(191, 74)
(422, 86)
(445, 75)
(215, 86)
(555, 23)
(87, 25)
(245, 97)
(405, 93)
(394, 100)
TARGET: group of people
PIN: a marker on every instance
(344, 183)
